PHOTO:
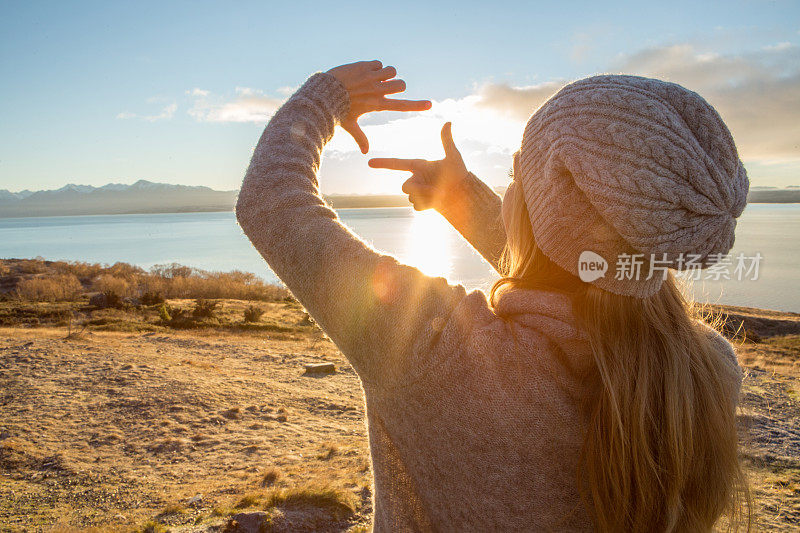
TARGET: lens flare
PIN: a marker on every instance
(428, 245)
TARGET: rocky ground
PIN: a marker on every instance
(183, 430)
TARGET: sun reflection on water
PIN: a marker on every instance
(428, 244)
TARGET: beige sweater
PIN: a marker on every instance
(472, 412)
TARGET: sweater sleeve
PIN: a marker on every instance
(474, 210)
(382, 315)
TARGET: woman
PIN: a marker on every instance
(560, 404)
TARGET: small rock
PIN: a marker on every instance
(195, 501)
(248, 522)
(232, 413)
(320, 368)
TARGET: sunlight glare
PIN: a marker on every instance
(428, 246)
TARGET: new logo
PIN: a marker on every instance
(591, 266)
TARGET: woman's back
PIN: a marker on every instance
(480, 415)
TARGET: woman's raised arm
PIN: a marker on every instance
(384, 316)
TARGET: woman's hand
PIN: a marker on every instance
(368, 83)
(432, 183)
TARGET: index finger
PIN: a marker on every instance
(396, 104)
(393, 163)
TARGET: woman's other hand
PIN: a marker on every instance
(432, 183)
(368, 83)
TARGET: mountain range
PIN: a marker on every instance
(148, 197)
(114, 198)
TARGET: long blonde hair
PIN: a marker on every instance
(661, 450)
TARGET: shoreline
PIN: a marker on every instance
(354, 202)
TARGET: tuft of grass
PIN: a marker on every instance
(151, 526)
(336, 502)
(173, 508)
(269, 477)
(328, 451)
(249, 500)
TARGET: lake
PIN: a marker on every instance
(213, 241)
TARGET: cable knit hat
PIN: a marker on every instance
(630, 169)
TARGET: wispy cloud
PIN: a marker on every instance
(249, 105)
(167, 112)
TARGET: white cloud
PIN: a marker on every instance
(249, 105)
(778, 47)
(756, 93)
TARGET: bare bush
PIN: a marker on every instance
(204, 308)
(166, 281)
(50, 289)
(253, 314)
(107, 283)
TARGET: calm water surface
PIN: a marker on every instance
(213, 241)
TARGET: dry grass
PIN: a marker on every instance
(117, 429)
(137, 424)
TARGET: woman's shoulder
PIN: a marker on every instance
(727, 352)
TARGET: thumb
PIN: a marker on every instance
(450, 149)
(358, 134)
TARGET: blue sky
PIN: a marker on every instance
(98, 92)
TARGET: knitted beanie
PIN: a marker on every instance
(634, 170)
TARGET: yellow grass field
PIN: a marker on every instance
(181, 429)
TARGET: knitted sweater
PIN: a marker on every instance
(472, 411)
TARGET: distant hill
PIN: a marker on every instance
(768, 195)
(148, 197)
(115, 198)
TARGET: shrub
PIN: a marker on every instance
(177, 314)
(163, 313)
(112, 299)
(161, 281)
(50, 289)
(253, 314)
(152, 298)
(108, 283)
(204, 308)
(171, 271)
(84, 271)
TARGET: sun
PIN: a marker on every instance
(429, 244)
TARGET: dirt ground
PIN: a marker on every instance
(117, 431)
